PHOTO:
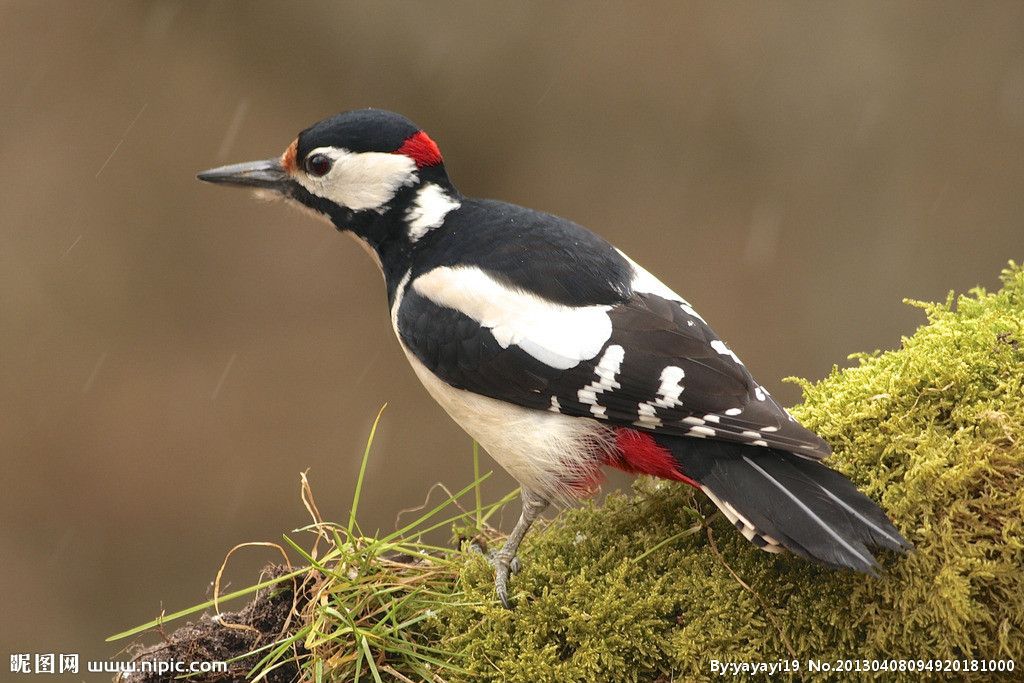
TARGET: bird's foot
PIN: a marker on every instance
(505, 566)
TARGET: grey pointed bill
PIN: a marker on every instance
(267, 174)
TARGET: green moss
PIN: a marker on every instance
(933, 430)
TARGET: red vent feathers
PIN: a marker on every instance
(639, 453)
(421, 149)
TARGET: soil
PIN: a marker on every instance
(233, 634)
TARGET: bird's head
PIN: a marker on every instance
(355, 163)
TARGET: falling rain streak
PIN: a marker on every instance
(95, 373)
(223, 377)
(121, 141)
(233, 127)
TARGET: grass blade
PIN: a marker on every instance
(362, 471)
(206, 605)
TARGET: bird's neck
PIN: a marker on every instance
(394, 232)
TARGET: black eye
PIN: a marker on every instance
(318, 165)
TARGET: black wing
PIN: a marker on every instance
(662, 369)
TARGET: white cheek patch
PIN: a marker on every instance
(360, 180)
(429, 208)
(560, 336)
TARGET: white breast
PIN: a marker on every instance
(555, 455)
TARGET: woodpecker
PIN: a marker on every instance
(559, 354)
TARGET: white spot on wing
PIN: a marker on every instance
(670, 388)
(732, 412)
(648, 418)
(668, 394)
(429, 208)
(606, 370)
(560, 336)
(701, 431)
(556, 407)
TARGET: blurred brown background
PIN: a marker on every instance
(172, 355)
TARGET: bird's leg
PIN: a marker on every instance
(505, 561)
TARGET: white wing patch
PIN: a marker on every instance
(429, 208)
(557, 335)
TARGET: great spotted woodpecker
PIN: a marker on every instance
(561, 355)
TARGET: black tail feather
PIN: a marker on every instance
(801, 504)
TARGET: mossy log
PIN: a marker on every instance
(933, 430)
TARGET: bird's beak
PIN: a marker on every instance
(268, 174)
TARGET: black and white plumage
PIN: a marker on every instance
(559, 354)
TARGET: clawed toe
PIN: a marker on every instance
(504, 566)
(502, 571)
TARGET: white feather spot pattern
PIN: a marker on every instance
(607, 368)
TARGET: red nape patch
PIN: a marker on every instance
(421, 149)
(639, 453)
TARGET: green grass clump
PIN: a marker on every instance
(654, 585)
(353, 611)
